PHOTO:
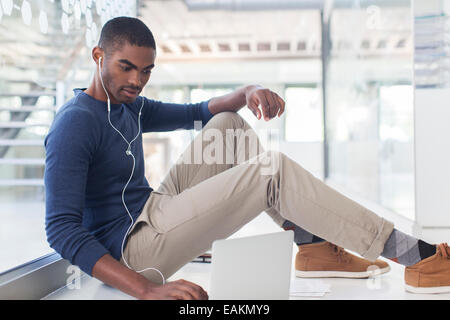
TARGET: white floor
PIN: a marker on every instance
(387, 286)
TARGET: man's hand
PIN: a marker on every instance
(270, 102)
(112, 272)
(175, 290)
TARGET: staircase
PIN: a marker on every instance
(23, 127)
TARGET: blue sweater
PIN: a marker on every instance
(86, 169)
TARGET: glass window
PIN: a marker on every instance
(162, 149)
(370, 104)
(202, 94)
(304, 114)
(397, 148)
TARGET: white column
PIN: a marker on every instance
(432, 144)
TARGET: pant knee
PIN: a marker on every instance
(227, 119)
(271, 162)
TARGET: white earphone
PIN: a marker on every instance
(129, 153)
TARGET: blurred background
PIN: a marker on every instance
(345, 69)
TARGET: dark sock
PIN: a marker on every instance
(301, 236)
(426, 250)
(405, 249)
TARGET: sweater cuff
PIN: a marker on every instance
(88, 255)
(205, 113)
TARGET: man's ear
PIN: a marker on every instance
(98, 52)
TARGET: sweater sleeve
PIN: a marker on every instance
(159, 116)
(69, 146)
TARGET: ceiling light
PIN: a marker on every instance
(109, 12)
(401, 43)
(7, 7)
(83, 6)
(88, 17)
(224, 47)
(283, 46)
(43, 22)
(65, 23)
(88, 38)
(77, 11)
(263, 46)
(26, 12)
(166, 49)
(185, 48)
(103, 17)
(205, 48)
(244, 46)
(301, 45)
(94, 31)
(65, 5)
(99, 6)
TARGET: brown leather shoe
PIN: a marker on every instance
(431, 275)
(324, 260)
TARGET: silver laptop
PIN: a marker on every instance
(252, 268)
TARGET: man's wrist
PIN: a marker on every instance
(147, 291)
(250, 88)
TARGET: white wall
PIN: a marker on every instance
(432, 152)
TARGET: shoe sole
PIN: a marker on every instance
(340, 274)
(427, 289)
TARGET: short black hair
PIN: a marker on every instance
(119, 30)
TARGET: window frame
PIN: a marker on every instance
(35, 279)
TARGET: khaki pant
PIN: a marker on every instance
(199, 201)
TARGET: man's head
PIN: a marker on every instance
(128, 53)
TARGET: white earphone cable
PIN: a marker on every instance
(128, 152)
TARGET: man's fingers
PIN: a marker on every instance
(196, 293)
(193, 289)
(182, 290)
(279, 104)
(253, 106)
(274, 104)
(270, 102)
(181, 294)
(265, 107)
(282, 105)
(256, 112)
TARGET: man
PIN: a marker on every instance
(103, 216)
